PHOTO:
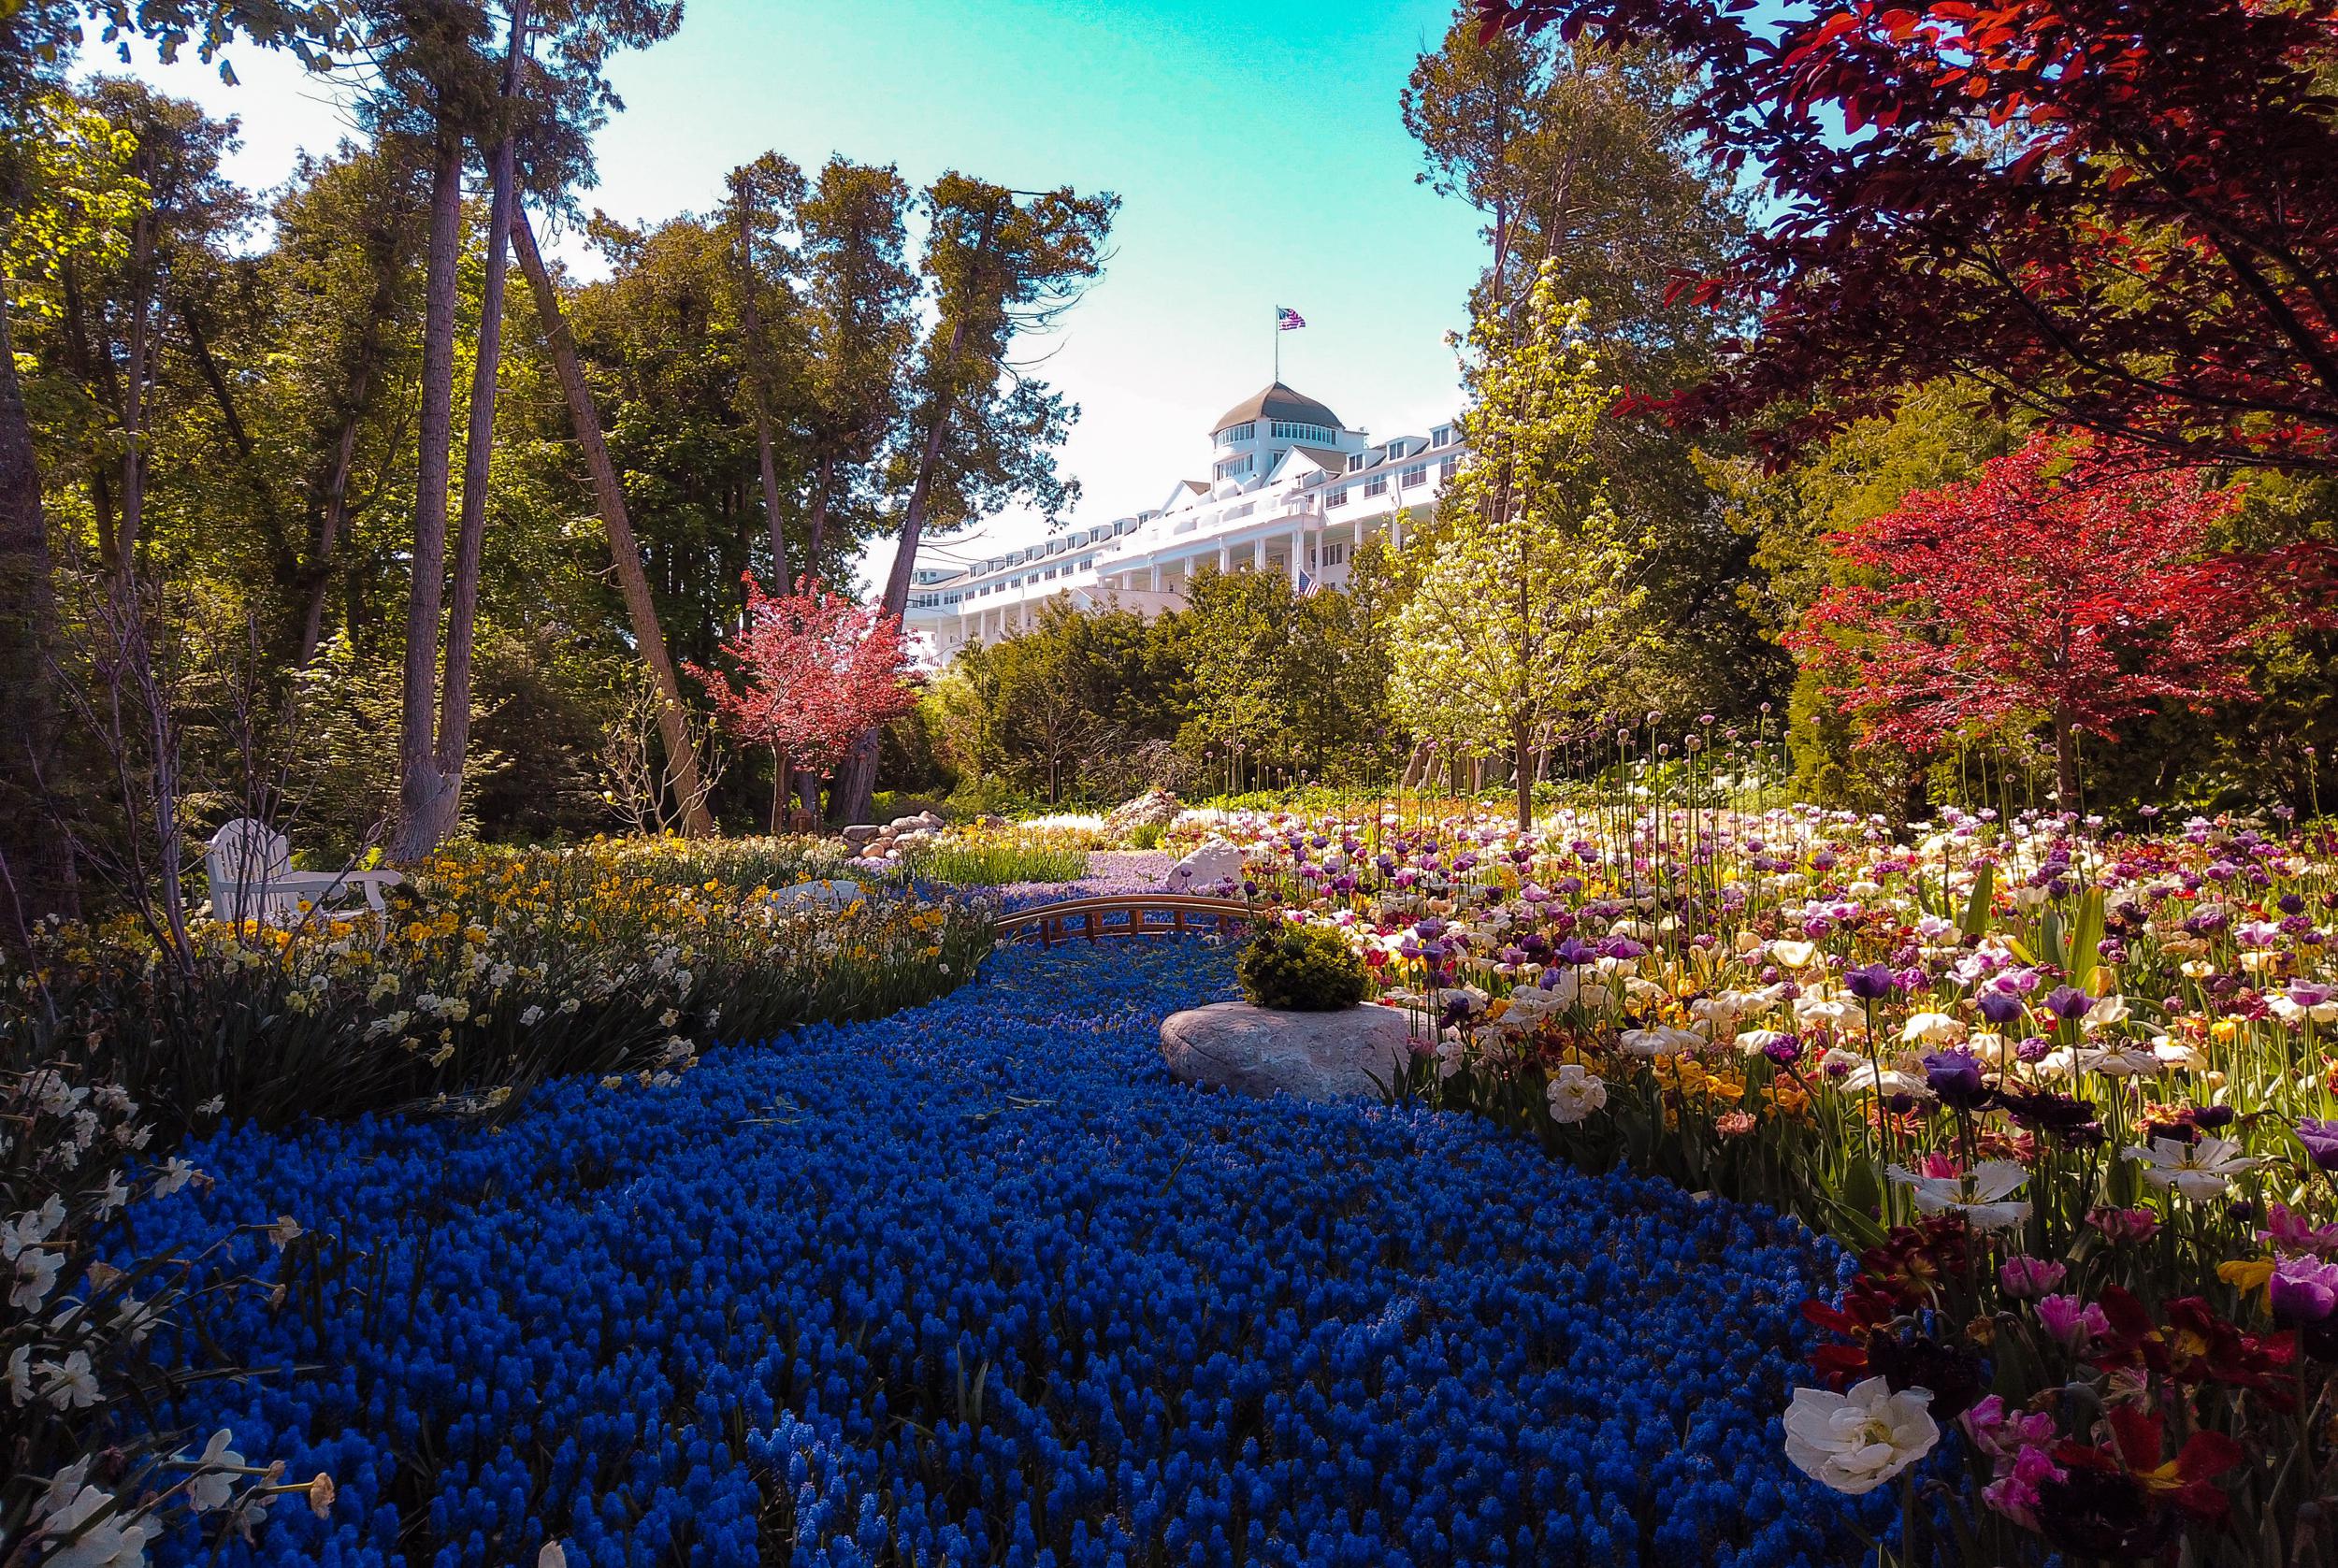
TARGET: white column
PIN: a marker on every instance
(1258, 553)
(1225, 560)
(1297, 544)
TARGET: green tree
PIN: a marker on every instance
(1527, 610)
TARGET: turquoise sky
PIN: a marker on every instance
(1257, 150)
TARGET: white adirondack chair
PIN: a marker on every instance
(252, 879)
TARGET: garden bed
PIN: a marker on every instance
(979, 1281)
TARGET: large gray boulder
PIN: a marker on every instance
(1213, 868)
(1357, 1051)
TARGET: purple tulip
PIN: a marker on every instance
(2303, 1291)
(1999, 1007)
(2067, 1001)
(1955, 1077)
(1573, 951)
(1785, 1053)
(2321, 1138)
(1871, 984)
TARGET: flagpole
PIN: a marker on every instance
(1279, 344)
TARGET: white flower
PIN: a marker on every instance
(285, 1232)
(2104, 1013)
(1978, 1194)
(1931, 1029)
(532, 1017)
(88, 1528)
(113, 1195)
(1660, 1041)
(2178, 1056)
(176, 1174)
(35, 1276)
(71, 1383)
(213, 1106)
(1575, 1094)
(552, 1555)
(1856, 1442)
(2198, 1171)
(2122, 1058)
(215, 1469)
(19, 1375)
(1792, 955)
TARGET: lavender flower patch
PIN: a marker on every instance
(1110, 872)
(978, 1282)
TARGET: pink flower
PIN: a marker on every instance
(2290, 1232)
(2026, 1278)
(2125, 1225)
(2071, 1321)
(2001, 1436)
(2015, 1492)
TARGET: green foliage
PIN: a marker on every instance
(1146, 835)
(1526, 616)
(1301, 969)
(995, 861)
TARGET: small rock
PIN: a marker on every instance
(1355, 1051)
(861, 832)
(1155, 808)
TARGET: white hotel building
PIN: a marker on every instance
(1291, 490)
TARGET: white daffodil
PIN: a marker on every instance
(69, 1384)
(1979, 1194)
(216, 1468)
(1856, 1442)
(2198, 1170)
(1792, 955)
(35, 1276)
(1853, 1073)
(1754, 1042)
(1932, 1029)
(1574, 1094)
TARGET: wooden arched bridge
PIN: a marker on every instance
(1123, 914)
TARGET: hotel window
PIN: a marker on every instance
(1446, 469)
(1338, 498)
(1416, 474)
(1285, 430)
(1355, 461)
(1232, 466)
(1441, 434)
(1378, 486)
(1335, 554)
(1233, 434)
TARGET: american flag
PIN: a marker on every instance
(1288, 319)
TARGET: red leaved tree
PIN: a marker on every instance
(2119, 213)
(813, 670)
(2066, 583)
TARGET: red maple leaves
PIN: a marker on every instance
(2069, 583)
(813, 672)
(2116, 213)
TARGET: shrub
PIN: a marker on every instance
(1301, 969)
(1146, 835)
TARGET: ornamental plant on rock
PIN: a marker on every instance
(1301, 969)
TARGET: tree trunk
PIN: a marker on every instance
(781, 797)
(134, 402)
(819, 516)
(752, 319)
(454, 742)
(2065, 761)
(682, 762)
(1523, 740)
(317, 576)
(35, 866)
(857, 783)
(419, 785)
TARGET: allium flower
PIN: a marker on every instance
(2303, 1291)
(1856, 1442)
(1574, 1094)
(1978, 1194)
(2198, 1170)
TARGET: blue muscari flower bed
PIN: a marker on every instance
(980, 1283)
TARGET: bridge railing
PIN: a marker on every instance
(1123, 914)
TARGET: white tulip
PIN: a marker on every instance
(1856, 1442)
